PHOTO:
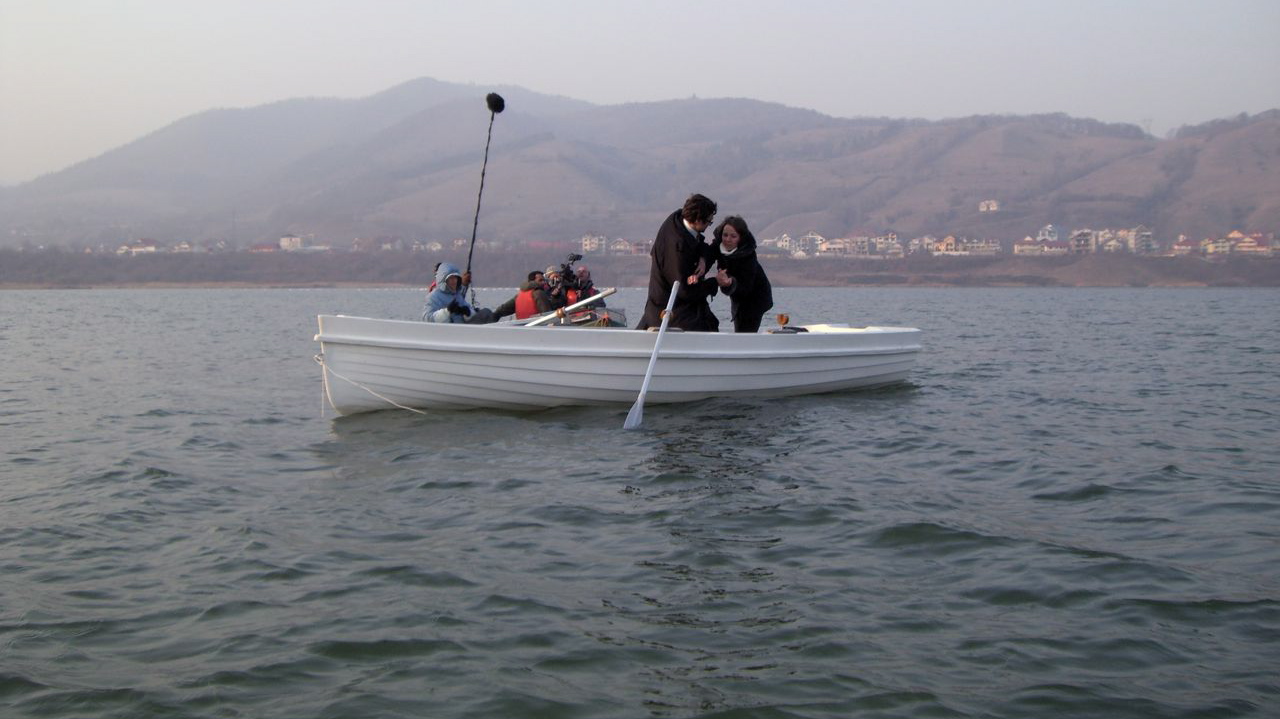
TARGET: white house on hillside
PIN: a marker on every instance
(1048, 233)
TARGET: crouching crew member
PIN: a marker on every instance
(448, 301)
(531, 300)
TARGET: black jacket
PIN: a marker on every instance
(751, 295)
(675, 256)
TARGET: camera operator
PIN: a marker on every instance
(555, 286)
(566, 286)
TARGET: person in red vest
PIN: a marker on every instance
(531, 300)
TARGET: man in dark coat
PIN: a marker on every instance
(679, 255)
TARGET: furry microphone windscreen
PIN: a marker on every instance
(495, 102)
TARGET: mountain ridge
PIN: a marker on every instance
(405, 162)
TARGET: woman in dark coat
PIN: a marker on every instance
(740, 275)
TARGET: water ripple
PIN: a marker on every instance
(1043, 522)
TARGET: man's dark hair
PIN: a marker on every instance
(698, 208)
(533, 275)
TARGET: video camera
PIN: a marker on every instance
(568, 278)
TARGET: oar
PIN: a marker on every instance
(636, 415)
(566, 310)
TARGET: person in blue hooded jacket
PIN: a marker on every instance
(448, 301)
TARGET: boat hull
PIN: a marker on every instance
(372, 364)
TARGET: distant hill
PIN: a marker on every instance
(406, 163)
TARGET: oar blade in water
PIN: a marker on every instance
(635, 416)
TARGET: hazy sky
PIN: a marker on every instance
(79, 77)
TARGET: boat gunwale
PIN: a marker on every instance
(779, 350)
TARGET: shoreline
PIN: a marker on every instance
(410, 271)
(995, 284)
(20, 271)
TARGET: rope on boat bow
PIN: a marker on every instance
(329, 370)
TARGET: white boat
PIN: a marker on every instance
(372, 364)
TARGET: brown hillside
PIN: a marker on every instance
(405, 163)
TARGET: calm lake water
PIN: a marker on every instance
(1071, 510)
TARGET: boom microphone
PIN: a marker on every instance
(496, 105)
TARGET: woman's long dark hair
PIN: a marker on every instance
(746, 239)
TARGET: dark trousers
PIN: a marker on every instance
(747, 323)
